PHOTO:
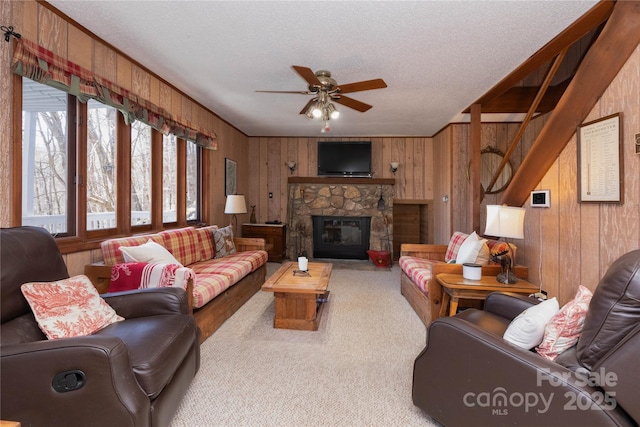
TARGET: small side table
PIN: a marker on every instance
(274, 235)
(456, 287)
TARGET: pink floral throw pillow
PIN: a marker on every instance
(68, 308)
(564, 329)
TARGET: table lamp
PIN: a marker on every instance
(235, 205)
(507, 222)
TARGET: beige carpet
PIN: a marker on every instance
(356, 370)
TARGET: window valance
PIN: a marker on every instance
(43, 66)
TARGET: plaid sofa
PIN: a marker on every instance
(421, 263)
(194, 248)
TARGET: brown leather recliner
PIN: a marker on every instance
(469, 375)
(131, 373)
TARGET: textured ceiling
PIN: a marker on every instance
(437, 57)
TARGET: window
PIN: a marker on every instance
(164, 185)
(193, 182)
(101, 174)
(169, 178)
(46, 187)
(140, 174)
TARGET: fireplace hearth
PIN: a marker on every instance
(341, 237)
(343, 198)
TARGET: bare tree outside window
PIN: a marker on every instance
(193, 182)
(44, 157)
(169, 178)
(140, 173)
(101, 166)
(52, 182)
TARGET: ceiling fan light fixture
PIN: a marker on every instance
(316, 110)
(309, 112)
(332, 112)
(325, 89)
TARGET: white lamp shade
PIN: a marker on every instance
(505, 221)
(235, 204)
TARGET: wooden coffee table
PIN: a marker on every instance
(300, 297)
(456, 287)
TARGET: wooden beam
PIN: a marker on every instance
(156, 179)
(594, 17)
(617, 41)
(16, 150)
(519, 99)
(543, 88)
(181, 171)
(475, 196)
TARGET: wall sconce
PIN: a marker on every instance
(291, 165)
(394, 167)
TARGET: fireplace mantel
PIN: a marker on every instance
(340, 180)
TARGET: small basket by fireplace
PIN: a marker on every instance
(381, 259)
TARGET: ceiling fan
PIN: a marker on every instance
(327, 90)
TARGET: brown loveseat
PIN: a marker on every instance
(469, 375)
(131, 373)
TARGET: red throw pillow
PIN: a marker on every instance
(563, 330)
(68, 308)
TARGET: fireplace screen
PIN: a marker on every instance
(342, 237)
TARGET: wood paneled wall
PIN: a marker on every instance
(269, 173)
(6, 123)
(569, 243)
(442, 172)
(451, 148)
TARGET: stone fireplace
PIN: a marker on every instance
(338, 197)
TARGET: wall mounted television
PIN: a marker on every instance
(344, 158)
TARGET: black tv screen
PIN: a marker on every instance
(344, 158)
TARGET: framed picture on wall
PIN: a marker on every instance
(230, 177)
(600, 161)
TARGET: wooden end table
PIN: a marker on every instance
(300, 298)
(456, 287)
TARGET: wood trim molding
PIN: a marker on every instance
(340, 181)
(16, 151)
(476, 191)
(619, 38)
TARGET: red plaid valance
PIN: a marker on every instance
(43, 66)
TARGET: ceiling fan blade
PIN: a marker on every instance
(307, 74)
(352, 103)
(363, 85)
(300, 92)
(306, 107)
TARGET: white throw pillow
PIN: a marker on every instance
(148, 252)
(470, 248)
(527, 329)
